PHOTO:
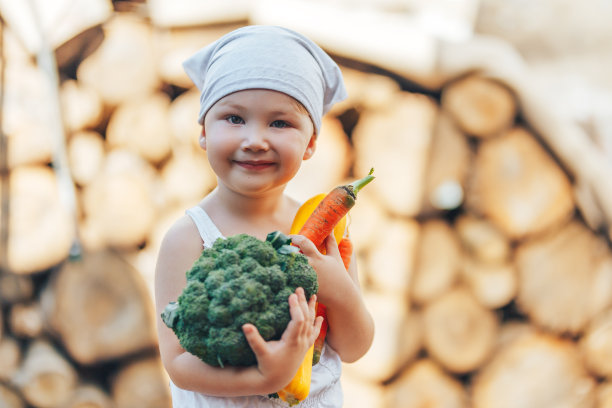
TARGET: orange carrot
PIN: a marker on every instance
(331, 210)
(346, 251)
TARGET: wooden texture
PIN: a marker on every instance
(105, 298)
(46, 379)
(141, 383)
(518, 186)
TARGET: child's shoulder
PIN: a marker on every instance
(182, 234)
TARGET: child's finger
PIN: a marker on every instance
(331, 246)
(306, 246)
(318, 323)
(257, 343)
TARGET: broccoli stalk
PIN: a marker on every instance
(241, 279)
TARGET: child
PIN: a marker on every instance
(264, 90)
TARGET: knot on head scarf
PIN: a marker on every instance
(267, 57)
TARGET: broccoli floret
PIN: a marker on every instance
(239, 280)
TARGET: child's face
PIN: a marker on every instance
(256, 140)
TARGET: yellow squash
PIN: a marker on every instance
(299, 387)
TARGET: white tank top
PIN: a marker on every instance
(325, 388)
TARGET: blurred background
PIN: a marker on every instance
(484, 245)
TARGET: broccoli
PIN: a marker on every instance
(241, 279)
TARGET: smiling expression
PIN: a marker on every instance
(256, 140)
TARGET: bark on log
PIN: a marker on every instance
(90, 396)
(123, 66)
(480, 106)
(86, 153)
(482, 240)
(141, 125)
(15, 288)
(434, 274)
(41, 229)
(46, 379)
(398, 154)
(596, 345)
(142, 383)
(518, 186)
(532, 372)
(575, 267)
(105, 298)
(425, 384)
(447, 169)
(9, 398)
(459, 332)
(397, 341)
(26, 320)
(390, 261)
(10, 358)
(327, 168)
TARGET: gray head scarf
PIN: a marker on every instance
(267, 57)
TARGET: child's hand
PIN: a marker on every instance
(279, 360)
(330, 268)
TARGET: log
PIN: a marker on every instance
(10, 358)
(15, 288)
(390, 260)
(123, 66)
(518, 186)
(360, 393)
(90, 396)
(435, 274)
(185, 13)
(482, 240)
(574, 266)
(106, 299)
(119, 203)
(328, 167)
(596, 345)
(186, 177)
(367, 220)
(86, 153)
(9, 398)
(426, 384)
(604, 395)
(26, 320)
(46, 379)
(141, 125)
(534, 371)
(142, 383)
(459, 332)
(481, 107)
(41, 228)
(366, 91)
(493, 285)
(183, 119)
(397, 341)
(81, 106)
(447, 169)
(26, 115)
(173, 45)
(397, 153)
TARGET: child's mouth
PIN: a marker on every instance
(255, 165)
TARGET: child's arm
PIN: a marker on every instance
(277, 360)
(351, 328)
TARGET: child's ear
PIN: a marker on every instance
(310, 149)
(202, 139)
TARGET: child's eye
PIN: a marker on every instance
(234, 119)
(279, 124)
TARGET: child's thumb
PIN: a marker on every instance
(256, 342)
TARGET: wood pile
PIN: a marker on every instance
(483, 251)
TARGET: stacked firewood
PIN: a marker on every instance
(489, 278)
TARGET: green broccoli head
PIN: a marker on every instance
(239, 280)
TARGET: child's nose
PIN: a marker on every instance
(255, 140)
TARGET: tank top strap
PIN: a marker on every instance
(206, 227)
